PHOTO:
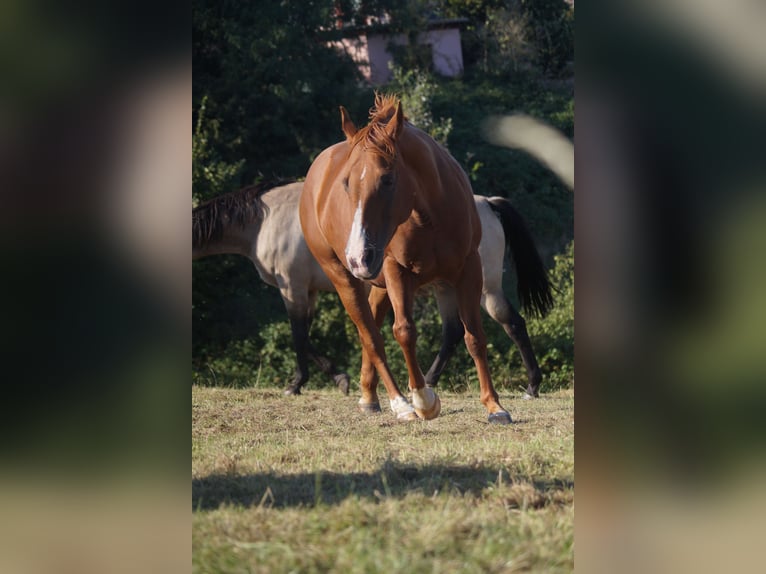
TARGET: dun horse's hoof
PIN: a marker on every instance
(292, 390)
(500, 418)
(343, 383)
(369, 408)
(529, 392)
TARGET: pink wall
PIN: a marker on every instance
(356, 48)
(448, 55)
(372, 58)
(379, 57)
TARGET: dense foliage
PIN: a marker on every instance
(266, 94)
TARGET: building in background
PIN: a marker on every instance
(371, 47)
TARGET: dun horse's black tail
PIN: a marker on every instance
(534, 288)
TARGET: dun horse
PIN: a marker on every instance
(390, 209)
(261, 223)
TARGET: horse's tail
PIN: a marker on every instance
(533, 287)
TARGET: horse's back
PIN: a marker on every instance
(445, 184)
(444, 199)
(281, 249)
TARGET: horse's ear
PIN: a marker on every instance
(395, 124)
(348, 126)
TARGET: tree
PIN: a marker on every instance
(270, 83)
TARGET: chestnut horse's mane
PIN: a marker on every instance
(374, 136)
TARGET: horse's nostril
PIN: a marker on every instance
(368, 256)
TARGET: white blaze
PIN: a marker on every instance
(364, 172)
(355, 244)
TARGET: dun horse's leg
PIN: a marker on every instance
(341, 379)
(401, 291)
(352, 294)
(469, 297)
(452, 332)
(501, 310)
(299, 329)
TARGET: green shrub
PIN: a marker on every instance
(502, 37)
(417, 88)
(211, 176)
(550, 29)
(266, 357)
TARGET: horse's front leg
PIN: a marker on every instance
(368, 380)
(354, 298)
(401, 290)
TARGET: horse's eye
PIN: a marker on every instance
(387, 180)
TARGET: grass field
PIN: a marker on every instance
(308, 484)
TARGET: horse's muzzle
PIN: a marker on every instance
(368, 266)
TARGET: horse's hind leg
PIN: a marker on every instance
(469, 298)
(452, 332)
(501, 310)
(341, 379)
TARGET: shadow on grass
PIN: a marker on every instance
(391, 480)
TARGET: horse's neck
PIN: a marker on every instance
(234, 241)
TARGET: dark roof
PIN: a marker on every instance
(388, 28)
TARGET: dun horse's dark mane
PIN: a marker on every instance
(239, 207)
(374, 136)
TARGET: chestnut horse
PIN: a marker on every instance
(391, 208)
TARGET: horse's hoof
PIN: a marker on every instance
(344, 383)
(369, 408)
(407, 416)
(528, 394)
(426, 402)
(403, 409)
(431, 413)
(291, 390)
(500, 418)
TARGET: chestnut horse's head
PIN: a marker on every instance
(369, 178)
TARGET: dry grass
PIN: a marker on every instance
(308, 484)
